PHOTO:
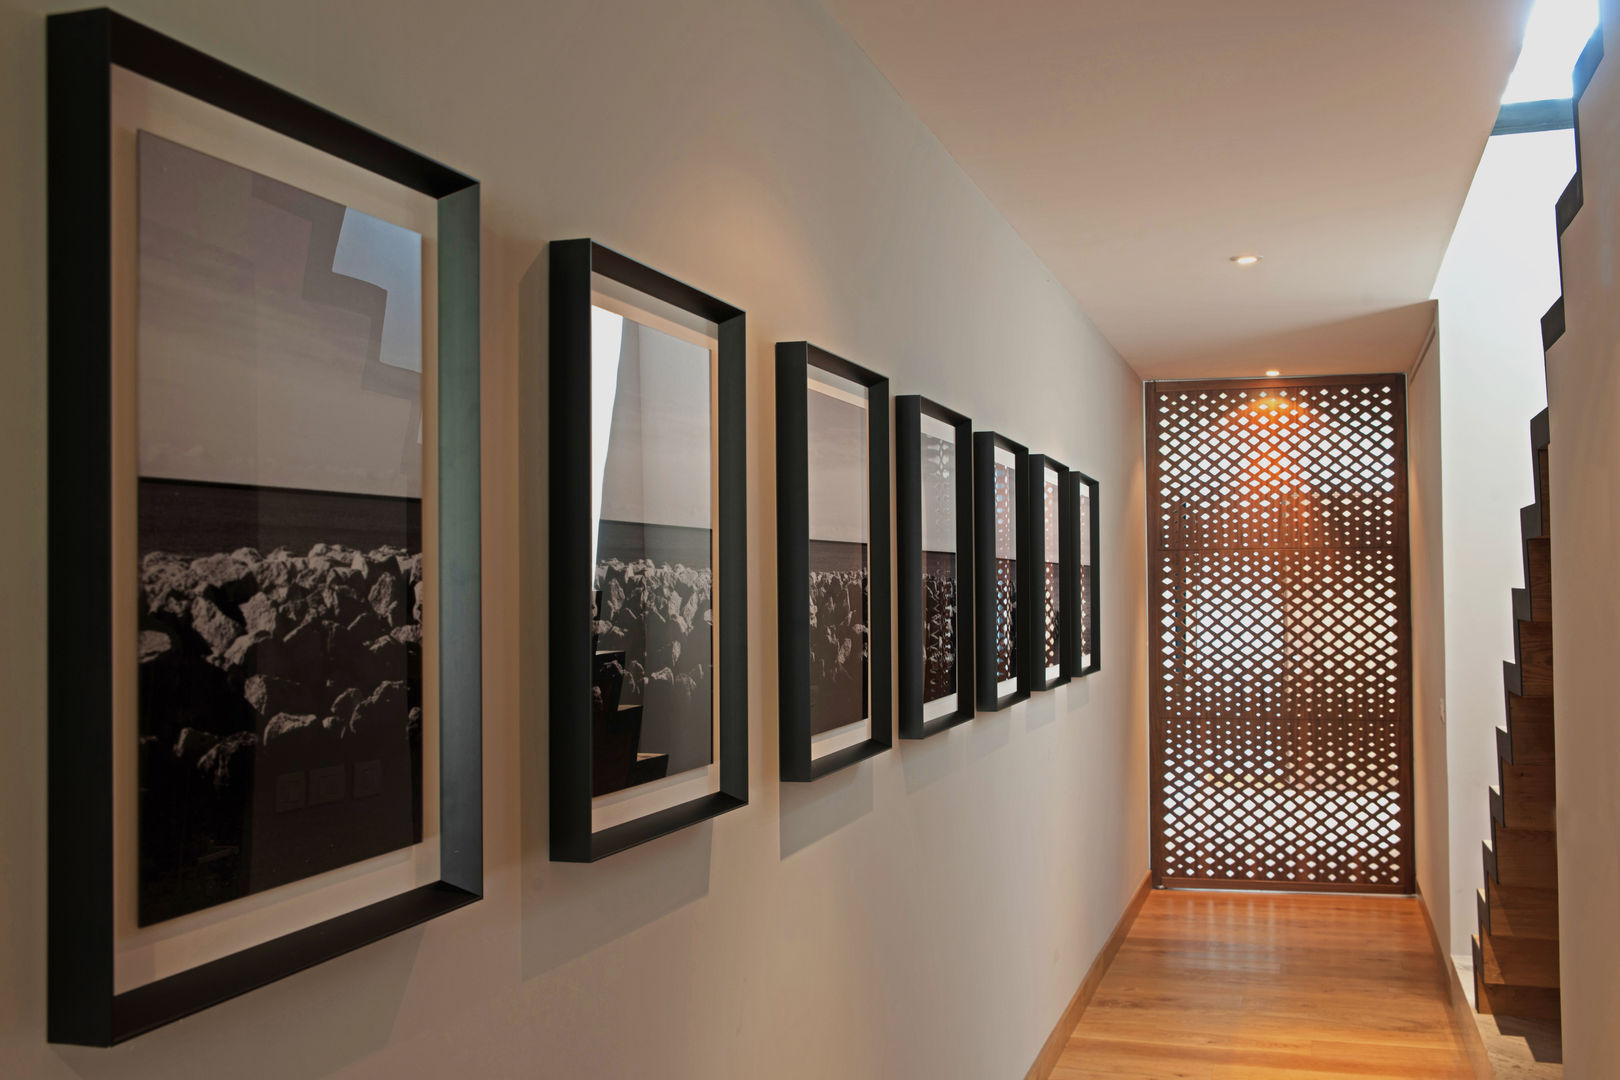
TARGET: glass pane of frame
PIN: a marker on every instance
(941, 567)
(246, 541)
(653, 688)
(839, 464)
(1050, 639)
(275, 333)
(1085, 524)
(1006, 598)
(648, 573)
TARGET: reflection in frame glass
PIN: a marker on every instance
(832, 539)
(265, 693)
(934, 565)
(1003, 578)
(648, 554)
(1050, 613)
(1084, 599)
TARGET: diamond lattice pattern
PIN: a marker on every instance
(1278, 586)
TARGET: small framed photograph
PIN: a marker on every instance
(933, 459)
(265, 659)
(832, 545)
(1052, 557)
(1085, 645)
(1003, 577)
(649, 604)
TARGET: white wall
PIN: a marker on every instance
(1499, 275)
(1583, 388)
(1430, 811)
(926, 914)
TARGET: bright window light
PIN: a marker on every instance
(1553, 39)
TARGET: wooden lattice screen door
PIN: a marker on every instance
(1279, 638)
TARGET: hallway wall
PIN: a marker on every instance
(1500, 273)
(1583, 390)
(1430, 809)
(926, 914)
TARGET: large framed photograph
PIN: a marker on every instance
(1003, 571)
(264, 627)
(832, 561)
(1050, 612)
(933, 467)
(1085, 534)
(649, 603)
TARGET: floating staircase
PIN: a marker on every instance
(1516, 949)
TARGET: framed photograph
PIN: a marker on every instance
(1085, 650)
(264, 626)
(933, 468)
(1052, 558)
(649, 575)
(832, 558)
(1003, 577)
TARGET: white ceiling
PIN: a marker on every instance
(1137, 144)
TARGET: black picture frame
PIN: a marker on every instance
(1067, 548)
(794, 359)
(985, 444)
(909, 409)
(1078, 598)
(82, 1007)
(572, 262)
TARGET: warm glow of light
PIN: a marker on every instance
(1245, 260)
(1273, 373)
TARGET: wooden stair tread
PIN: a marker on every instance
(1522, 856)
(1513, 682)
(1516, 949)
(1530, 710)
(1538, 564)
(1526, 798)
(1518, 961)
(1528, 1002)
(1510, 999)
(1518, 911)
(1527, 740)
(1534, 644)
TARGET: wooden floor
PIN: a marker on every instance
(1262, 986)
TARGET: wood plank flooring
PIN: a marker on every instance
(1266, 986)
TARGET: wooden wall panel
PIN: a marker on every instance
(1280, 640)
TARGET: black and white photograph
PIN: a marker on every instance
(936, 574)
(1086, 533)
(941, 568)
(1052, 574)
(1007, 649)
(266, 692)
(1006, 594)
(840, 653)
(833, 569)
(652, 694)
(647, 553)
(279, 387)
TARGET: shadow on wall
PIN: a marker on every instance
(346, 1008)
(814, 811)
(571, 909)
(1078, 696)
(1042, 709)
(923, 762)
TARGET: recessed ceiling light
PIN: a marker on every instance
(1273, 373)
(1245, 260)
